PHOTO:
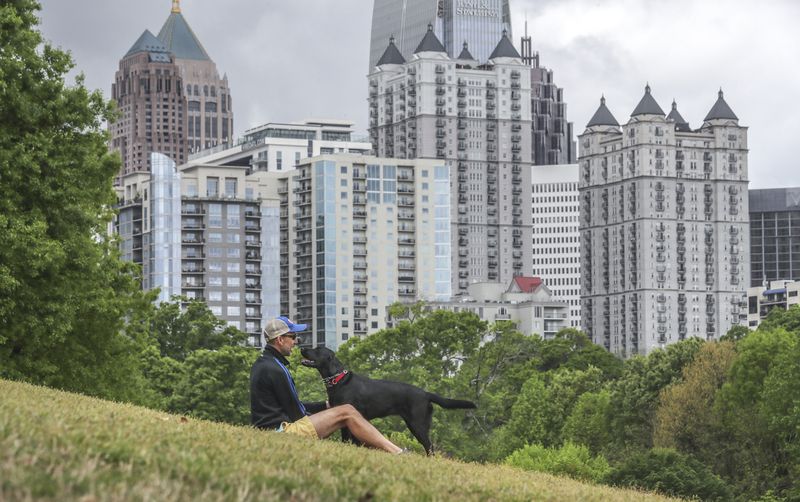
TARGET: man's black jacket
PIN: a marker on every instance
(273, 397)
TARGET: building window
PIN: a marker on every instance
(279, 160)
(212, 187)
(230, 187)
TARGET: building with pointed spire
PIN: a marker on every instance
(476, 118)
(170, 97)
(664, 226)
(553, 142)
(478, 23)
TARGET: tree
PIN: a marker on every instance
(215, 385)
(183, 326)
(735, 334)
(671, 473)
(543, 405)
(589, 422)
(63, 290)
(634, 396)
(758, 407)
(572, 349)
(686, 418)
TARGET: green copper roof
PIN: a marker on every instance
(180, 39)
(147, 42)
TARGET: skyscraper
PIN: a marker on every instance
(479, 23)
(774, 235)
(476, 118)
(664, 227)
(170, 97)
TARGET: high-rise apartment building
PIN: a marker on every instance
(774, 235)
(478, 23)
(476, 120)
(170, 97)
(332, 243)
(281, 147)
(664, 227)
(556, 238)
(204, 232)
(358, 233)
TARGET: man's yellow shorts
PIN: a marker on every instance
(302, 427)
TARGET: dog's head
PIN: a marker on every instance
(322, 358)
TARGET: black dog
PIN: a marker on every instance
(379, 398)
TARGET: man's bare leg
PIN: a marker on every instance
(331, 420)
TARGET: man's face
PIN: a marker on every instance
(285, 343)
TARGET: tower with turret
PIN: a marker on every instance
(170, 96)
(664, 226)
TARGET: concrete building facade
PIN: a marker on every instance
(525, 301)
(358, 233)
(170, 97)
(664, 227)
(774, 235)
(556, 237)
(775, 294)
(476, 120)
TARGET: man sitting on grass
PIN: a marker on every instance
(274, 404)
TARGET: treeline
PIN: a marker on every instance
(713, 420)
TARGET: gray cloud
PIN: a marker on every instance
(292, 60)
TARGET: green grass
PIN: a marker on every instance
(61, 446)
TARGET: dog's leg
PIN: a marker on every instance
(419, 423)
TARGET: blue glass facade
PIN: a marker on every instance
(480, 23)
(165, 227)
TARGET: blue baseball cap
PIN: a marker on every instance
(280, 326)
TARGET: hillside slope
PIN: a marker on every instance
(57, 445)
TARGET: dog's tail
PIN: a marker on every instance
(450, 404)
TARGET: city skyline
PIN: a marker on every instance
(596, 48)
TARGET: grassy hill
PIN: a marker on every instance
(62, 446)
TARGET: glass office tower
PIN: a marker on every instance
(479, 23)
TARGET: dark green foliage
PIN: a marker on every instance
(589, 422)
(63, 290)
(669, 472)
(215, 385)
(181, 330)
(634, 396)
(570, 460)
(572, 349)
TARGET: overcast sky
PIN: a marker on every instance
(294, 59)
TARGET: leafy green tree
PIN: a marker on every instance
(671, 473)
(63, 290)
(572, 349)
(686, 418)
(542, 407)
(634, 396)
(735, 334)
(574, 461)
(182, 329)
(757, 406)
(788, 319)
(215, 385)
(589, 422)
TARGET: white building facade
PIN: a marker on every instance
(664, 227)
(476, 120)
(556, 237)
